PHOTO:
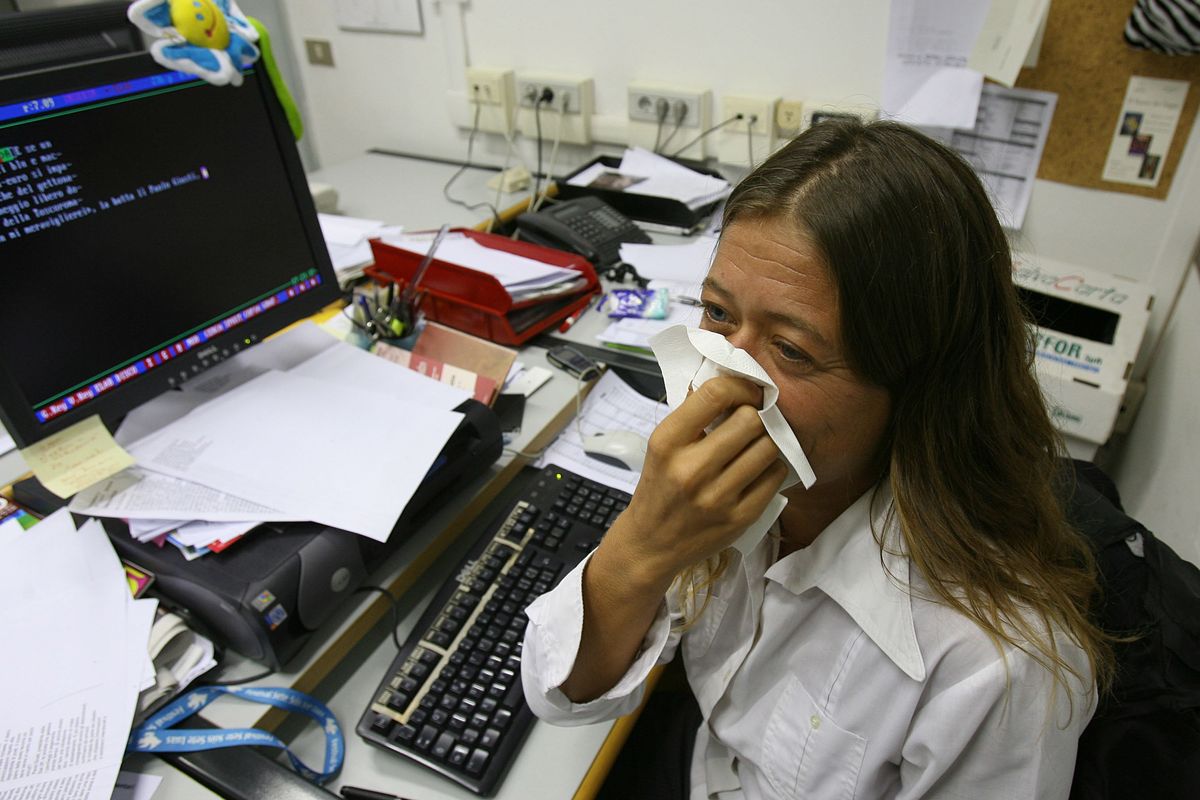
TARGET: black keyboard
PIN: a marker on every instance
(452, 698)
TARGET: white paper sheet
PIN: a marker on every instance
(70, 690)
(333, 454)
(1006, 145)
(926, 79)
(515, 273)
(347, 240)
(1007, 36)
(612, 405)
(135, 786)
(684, 263)
(282, 352)
(351, 366)
(637, 332)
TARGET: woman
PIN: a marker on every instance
(916, 626)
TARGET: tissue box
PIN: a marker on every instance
(1089, 328)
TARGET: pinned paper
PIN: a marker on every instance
(1011, 29)
(690, 356)
(75, 458)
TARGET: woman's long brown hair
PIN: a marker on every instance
(928, 311)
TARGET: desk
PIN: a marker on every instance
(343, 663)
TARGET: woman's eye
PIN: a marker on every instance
(715, 314)
(793, 354)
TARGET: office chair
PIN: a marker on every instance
(1144, 739)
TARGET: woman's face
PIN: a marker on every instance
(770, 294)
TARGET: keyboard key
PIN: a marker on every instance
(444, 744)
(425, 738)
(477, 761)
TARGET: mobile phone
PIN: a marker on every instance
(573, 361)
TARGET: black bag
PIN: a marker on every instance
(1144, 740)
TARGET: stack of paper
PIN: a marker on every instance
(523, 278)
(644, 172)
(70, 682)
(348, 241)
(303, 427)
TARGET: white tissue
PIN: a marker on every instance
(690, 356)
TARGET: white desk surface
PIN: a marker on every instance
(344, 662)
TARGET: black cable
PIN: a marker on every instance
(680, 114)
(463, 168)
(716, 127)
(537, 122)
(239, 681)
(663, 109)
(395, 608)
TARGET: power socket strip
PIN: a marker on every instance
(566, 114)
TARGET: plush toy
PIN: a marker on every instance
(208, 38)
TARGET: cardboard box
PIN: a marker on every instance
(1090, 326)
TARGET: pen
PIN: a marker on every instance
(354, 793)
(571, 320)
(411, 288)
(368, 317)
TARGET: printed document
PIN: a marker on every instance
(69, 695)
(926, 78)
(1005, 146)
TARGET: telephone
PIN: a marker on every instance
(585, 225)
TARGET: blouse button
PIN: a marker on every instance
(815, 721)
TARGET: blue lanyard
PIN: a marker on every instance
(156, 735)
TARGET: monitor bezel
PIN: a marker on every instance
(16, 411)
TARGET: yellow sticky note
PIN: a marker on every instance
(75, 458)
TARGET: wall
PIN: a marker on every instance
(406, 93)
(1159, 469)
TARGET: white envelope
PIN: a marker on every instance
(690, 356)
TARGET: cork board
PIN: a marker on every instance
(1084, 59)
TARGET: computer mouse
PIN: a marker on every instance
(624, 449)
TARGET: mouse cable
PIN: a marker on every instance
(394, 606)
(470, 149)
(708, 132)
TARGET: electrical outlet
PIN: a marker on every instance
(565, 114)
(788, 117)
(648, 129)
(490, 91)
(319, 52)
(558, 94)
(817, 110)
(750, 138)
(645, 102)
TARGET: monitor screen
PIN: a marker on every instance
(151, 225)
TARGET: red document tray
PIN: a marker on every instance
(478, 303)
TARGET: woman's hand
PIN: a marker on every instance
(699, 491)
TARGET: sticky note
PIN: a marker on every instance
(75, 458)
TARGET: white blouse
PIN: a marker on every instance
(820, 676)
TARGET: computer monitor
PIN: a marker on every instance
(151, 225)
